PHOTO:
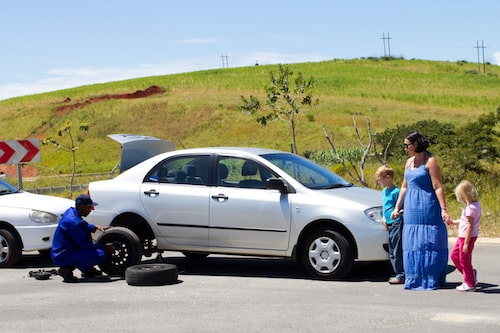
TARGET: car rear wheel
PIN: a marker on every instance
(128, 250)
(327, 255)
(10, 249)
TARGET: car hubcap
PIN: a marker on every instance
(324, 255)
(4, 249)
(120, 256)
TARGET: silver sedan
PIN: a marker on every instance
(244, 201)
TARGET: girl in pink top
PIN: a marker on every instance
(468, 229)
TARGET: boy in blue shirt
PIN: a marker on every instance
(390, 193)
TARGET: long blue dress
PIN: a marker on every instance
(425, 237)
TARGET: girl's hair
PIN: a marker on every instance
(420, 139)
(384, 171)
(466, 193)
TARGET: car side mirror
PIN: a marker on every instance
(277, 184)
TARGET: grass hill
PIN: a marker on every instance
(200, 108)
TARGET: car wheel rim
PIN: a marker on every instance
(4, 249)
(324, 255)
(120, 256)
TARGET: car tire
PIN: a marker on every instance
(151, 274)
(128, 250)
(11, 249)
(327, 255)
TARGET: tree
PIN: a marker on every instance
(463, 151)
(283, 100)
(349, 161)
(72, 147)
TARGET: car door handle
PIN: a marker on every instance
(152, 193)
(220, 197)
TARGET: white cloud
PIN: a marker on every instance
(70, 77)
(496, 56)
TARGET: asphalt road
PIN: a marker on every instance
(231, 294)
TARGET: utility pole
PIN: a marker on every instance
(482, 47)
(484, 63)
(225, 63)
(478, 65)
(388, 44)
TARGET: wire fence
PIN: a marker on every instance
(60, 185)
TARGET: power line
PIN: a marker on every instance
(388, 38)
(482, 47)
(225, 63)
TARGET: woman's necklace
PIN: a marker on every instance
(419, 162)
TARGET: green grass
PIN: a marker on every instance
(200, 109)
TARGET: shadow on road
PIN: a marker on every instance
(215, 265)
(268, 268)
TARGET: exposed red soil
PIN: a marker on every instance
(153, 90)
(26, 170)
(31, 170)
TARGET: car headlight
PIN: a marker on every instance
(43, 217)
(374, 214)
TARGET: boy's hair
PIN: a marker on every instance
(466, 193)
(384, 171)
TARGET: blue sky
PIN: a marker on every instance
(55, 44)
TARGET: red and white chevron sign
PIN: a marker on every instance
(19, 151)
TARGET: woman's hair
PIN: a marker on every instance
(466, 193)
(421, 140)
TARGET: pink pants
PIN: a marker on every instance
(463, 261)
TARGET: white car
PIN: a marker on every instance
(27, 221)
(243, 201)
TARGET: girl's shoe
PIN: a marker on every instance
(465, 287)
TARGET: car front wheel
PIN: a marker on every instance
(127, 250)
(10, 249)
(327, 255)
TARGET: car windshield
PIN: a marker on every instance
(307, 172)
(6, 188)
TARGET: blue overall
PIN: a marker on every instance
(72, 245)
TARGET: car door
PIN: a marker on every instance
(175, 195)
(243, 213)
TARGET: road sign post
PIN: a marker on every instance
(18, 152)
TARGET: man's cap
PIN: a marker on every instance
(84, 200)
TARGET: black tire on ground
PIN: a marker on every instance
(327, 255)
(11, 249)
(128, 250)
(151, 274)
(195, 256)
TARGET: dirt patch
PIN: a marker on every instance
(26, 170)
(30, 170)
(63, 109)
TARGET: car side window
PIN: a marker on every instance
(191, 169)
(242, 173)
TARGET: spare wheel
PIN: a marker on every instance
(151, 274)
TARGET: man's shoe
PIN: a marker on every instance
(67, 274)
(90, 273)
(396, 280)
(465, 287)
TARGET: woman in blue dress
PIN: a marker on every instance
(422, 200)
